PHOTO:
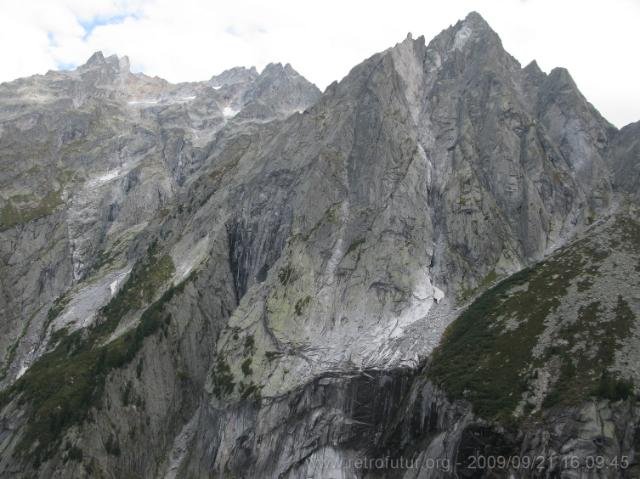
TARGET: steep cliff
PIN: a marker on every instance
(245, 278)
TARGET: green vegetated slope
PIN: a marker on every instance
(559, 332)
(60, 388)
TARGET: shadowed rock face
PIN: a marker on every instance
(626, 159)
(244, 278)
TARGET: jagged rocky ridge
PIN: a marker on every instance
(245, 278)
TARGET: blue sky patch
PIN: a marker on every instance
(90, 24)
(65, 66)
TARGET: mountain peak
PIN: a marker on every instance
(234, 75)
(534, 74)
(98, 60)
(278, 69)
(533, 66)
(475, 19)
(473, 27)
(272, 68)
(465, 33)
(258, 243)
(561, 74)
(124, 63)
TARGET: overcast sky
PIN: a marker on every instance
(194, 39)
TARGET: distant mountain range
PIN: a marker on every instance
(434, 262)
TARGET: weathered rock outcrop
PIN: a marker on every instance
(92, 156)
(244, 278)
(625, 158)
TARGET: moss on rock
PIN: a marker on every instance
(63, 385)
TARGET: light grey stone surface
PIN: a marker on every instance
(332, 238)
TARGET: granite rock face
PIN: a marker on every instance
(625, 159)
(92, 157)
(243, 277)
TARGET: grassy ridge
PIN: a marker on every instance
(478, 363)
(12, 215)
(487, 354)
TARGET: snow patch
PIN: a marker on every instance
(423, 297)
(163, 101)
(229, 112)
(115, 284)
(143, 102)
(462, 36)
(23, 370)
(104, 178)
(438, 294)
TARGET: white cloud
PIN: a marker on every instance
(194, 39)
